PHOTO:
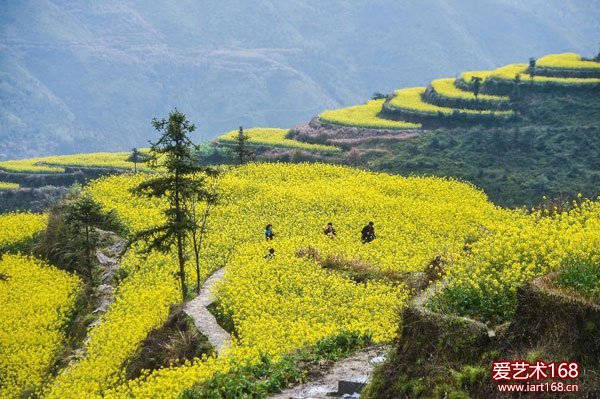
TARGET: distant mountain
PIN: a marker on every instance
(89, 76)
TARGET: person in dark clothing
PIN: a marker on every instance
(271, 254)
(330, 231)
(368, 233)
(269, 233)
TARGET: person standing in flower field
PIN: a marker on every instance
(330, 231)
(271, 254)
(368, 233)
(269, 233)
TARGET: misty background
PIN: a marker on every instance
(79, 76)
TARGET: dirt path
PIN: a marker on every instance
(109, 256)
(346, 374)
(204, 321)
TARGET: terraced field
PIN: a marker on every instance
(411, 101)
(510, 72)
(364, 116)
(57, 164)
(567, 61)
(455, 99)
(275, 138)
(9, 186)
(447, 88)
(282, 304)
(447, 99)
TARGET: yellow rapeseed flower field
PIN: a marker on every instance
(509, 72)
(281, 304)
(29, 165)
(567, 61)
(36, 301)
(9, 186)
(446, 88)
(276, 138)
(410, 100)
(16, 228)
(57, 164)
(483, 282)
(142, 304)
(290, 301)
(364, 116)
(467, 76)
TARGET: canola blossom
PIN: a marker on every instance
(142, 304)
(29, 165)
(410, 100)
(509, 72)
(483, 282)
(290, 301)
(468, 76)
(37, 300)
(57, 164)
(567, 61)
(18, 228)
(417, 220)
(276, 138)
(9, 186)
(446, 88)
(365, 116)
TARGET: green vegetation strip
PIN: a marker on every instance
(270, 376)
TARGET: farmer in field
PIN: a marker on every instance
(271, 254)
(330, 231)
(368, 233)
(269, 233)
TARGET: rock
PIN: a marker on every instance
(377, 360)
(103, 259)
(352, 385)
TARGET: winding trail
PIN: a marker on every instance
(343, 377)
(204, 321)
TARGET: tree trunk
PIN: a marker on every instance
(197, 258)
(88, 262)
(181, 266)
(198, 244)
(180, 239)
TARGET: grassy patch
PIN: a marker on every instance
(583, 278)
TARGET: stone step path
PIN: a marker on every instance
(345, 379)
(204, 321)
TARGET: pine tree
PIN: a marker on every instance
(476, 85)
(82, 218)
(241, 147)
(178, 185)
(136, 157)
(531, 69)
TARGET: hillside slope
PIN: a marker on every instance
(89, 77)
(552, 151)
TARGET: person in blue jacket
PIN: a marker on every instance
(269, 233)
